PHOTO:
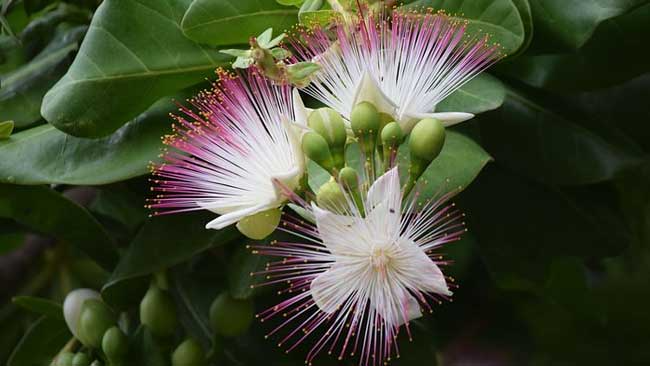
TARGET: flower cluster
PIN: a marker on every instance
(364, 260)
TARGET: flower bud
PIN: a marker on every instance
(427, 139)
(349, 178)
(189, 353)
(81, 359)
(72, 307)
(230, 317)
(115, 345)
(330, 197)
(64, 359)
(96, 317)
(391, 137)
(365, 123)
(261, 224)
(157, 312)
(329, 124)
(316, 148)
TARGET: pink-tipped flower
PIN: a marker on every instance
(405, 63)
(363, 271)
(231, 151)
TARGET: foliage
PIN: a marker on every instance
(554, 168)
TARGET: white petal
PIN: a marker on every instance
(447, 118)
(404, 309)
(368, 90)
(332, 288)
(334, 230)
(300, 112)
(384, 203)
(420, 272)
(234, 216)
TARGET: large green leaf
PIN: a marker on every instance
(458, 164)
(483, 93)
(23, 89)
(28, 155)
(163, 242)
(235, 21)
(569, 24)
(547, 145)
(592, 66)
(39, 305)
(498, 18)
(48, 212)
(133, 54)
(41, 343)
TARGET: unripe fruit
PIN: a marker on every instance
(427, 139)
(81, 359)
(189, 353)
(115, 345)
(316, 148)
(331, 197)
(349, 178)
(392, 134)
(365, 120)
(261, 224)
(230, 317)
(64, 359)
(72, 307)
(158, 312)
(96, 317)
(329, 124)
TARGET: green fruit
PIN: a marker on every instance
(427, 139)
(95, 318)
(81, 359)
(261, 224)
(365, 120)
(158, 312)
(329, 124)
(230, 317)
(115, 345)
(65, 359)
(330, 197)
(316, 148)
(189, 353)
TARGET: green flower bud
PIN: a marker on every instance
(316, 148)
(81, 359)
(115, 345)
(158, 312)
(392, 134)
(72, 307)
(189, 353)
(365, 123)
(384, 119)
(96, 317)
(64, 359)
(427, 139)
(261, 224)
(349, 178)
(329, 124)
(230, 317)
(331, 197)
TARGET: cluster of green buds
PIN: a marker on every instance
(267, 55)
(379, 138)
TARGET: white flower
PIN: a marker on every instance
(232, 151)
(404, 65)
(361, 275)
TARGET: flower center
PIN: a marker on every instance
(379, 259)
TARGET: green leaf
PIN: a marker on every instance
(296, 3)
(23, 89)
(48, 212)
(569, 24)
(240, 268)
(592, 66)
(319, 17)
(39, 305)
(527, 19)
(458, 164)
(28, 155)
(498, 18)
(41, 343)
(6, 128)
(483, 93)
(163, 242)
(134, 54)
(234, 21)
(531, 137)
(146, 350)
